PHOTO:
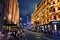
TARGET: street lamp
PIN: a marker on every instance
(20, 18)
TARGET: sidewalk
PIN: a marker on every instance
(53, 36)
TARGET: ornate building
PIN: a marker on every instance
(46, 12)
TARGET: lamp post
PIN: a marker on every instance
(20, 18)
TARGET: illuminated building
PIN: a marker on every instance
(12, 12)
(9, 12)
(46, 12)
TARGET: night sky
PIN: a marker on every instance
(27, 8)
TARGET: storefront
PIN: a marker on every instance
(54, 26)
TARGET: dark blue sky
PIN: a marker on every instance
(27, 8)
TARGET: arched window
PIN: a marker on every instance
(54, 17)
(52, 9)
(53, 2)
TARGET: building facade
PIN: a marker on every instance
(46, 12)
(12, 12)
(9, 12)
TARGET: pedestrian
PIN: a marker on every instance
(9, 34)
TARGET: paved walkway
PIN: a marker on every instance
(39, 36)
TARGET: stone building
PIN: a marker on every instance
(46, 13)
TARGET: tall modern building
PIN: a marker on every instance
(46, 12)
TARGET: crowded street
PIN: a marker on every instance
(29, 19)
(28, 35)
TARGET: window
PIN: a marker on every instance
(47, 20)
(47, 8)
(58, 8)
(52, 9)
(59, 16)
(47, 3)
(54, 17)
(53, 2)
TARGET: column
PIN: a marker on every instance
(55, 28)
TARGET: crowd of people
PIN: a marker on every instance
(10, 35)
